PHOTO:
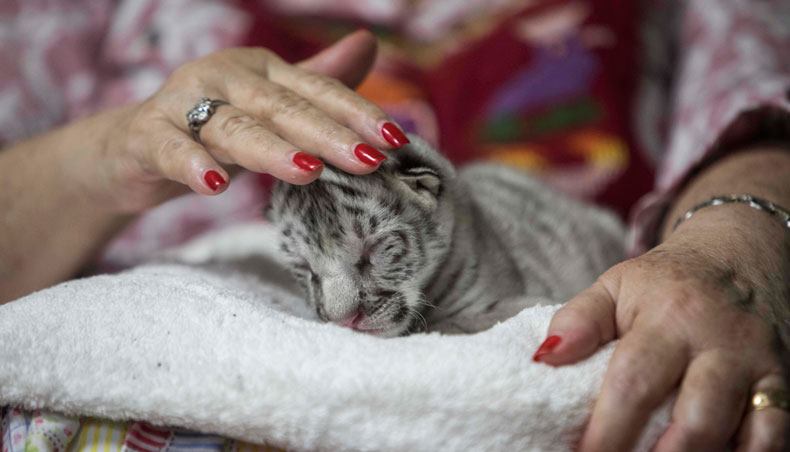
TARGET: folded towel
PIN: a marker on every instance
(218, 340)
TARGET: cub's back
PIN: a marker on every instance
(559, 244)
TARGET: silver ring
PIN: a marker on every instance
(201, 113)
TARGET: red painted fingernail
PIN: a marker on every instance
(369, 155)
(214, 180)
(306, 161)
(546, 347)
(394, 135)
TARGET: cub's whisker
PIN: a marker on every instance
(424, 302)
(416, 314)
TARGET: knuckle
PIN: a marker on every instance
(224, 54)
(222, 58)
(617, 271)
(630, 387)
(370, 109)
(747, 330)
(172, 148)
(332, 132)
(264, 54)
(170, 156)
(698, 431)
(148, 108)
(321, 84)
(236, 124)
(150, 111)
(258, 95)
(182, 72)
(361, 111)
(573, 314)
(186, 75)
(287, 104)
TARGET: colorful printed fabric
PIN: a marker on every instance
(100, 436)
(545, 86)
(141, 437)
(34, 431)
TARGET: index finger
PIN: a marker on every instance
(645, 367)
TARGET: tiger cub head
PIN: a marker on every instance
(364, 247)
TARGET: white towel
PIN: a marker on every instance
(216, 343)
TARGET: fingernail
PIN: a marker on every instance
(369, 155)
(214, 180)
(394, 135)
(306, 161)
(546, 347)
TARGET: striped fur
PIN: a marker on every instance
(416, 245)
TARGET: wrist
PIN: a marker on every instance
(734, 226)
(747, 247)
(88, 152)
(97, 165)
(56, 217)
(761, 171)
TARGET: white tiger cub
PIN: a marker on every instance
(417, 245)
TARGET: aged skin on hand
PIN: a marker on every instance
(699, 313)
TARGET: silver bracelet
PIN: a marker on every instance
(752, 201)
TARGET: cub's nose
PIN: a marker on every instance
(352, 320)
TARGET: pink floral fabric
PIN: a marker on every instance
(732, 88)
(64, 59)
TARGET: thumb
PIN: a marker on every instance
(580, 327)
(348, 60)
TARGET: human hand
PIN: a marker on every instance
(690, 315)
(281, 119)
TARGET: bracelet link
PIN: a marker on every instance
(752, 201)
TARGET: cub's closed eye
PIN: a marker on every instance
(304, 272)
(302, 267)
(374, 247)
(364, 265)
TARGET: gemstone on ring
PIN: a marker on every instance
(200, 114)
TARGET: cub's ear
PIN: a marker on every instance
(422, 172)
(421, 182)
